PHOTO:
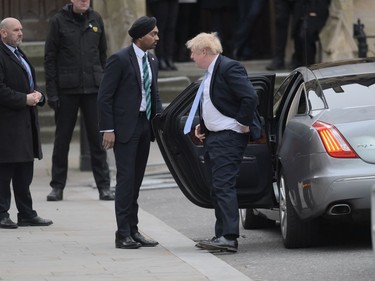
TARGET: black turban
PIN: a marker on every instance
(142, 26)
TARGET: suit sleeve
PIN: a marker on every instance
(108, 86)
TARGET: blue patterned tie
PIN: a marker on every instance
(31, 81)
(146, 85)
(194, 107)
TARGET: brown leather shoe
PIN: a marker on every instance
(7, 223)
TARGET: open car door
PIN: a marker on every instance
(183, 154)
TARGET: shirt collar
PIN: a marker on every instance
(211, 66)
(139, 52)
(11, 48)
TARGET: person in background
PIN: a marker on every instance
(75, 55)
(284, 10)
(228, 102)
(310, 17)
(165, 12)
(188, 26)
(220, 17)
(20, 138)
(248, 13)
(128, 100)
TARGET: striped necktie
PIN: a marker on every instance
(28, 71)
(146, 85)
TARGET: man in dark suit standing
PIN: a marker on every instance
(228, 102)
(127, 101)
(20, 140)
(75, 55)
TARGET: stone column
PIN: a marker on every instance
(337, 36)
(118, 15)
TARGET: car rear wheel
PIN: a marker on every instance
(295, 232)
(252, 219)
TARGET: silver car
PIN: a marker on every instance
(315, 160)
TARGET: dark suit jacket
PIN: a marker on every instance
(20, 139)
(120, 93)
(231, 91)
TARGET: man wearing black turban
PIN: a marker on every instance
(128, 99)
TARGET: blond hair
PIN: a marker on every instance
(208, 41)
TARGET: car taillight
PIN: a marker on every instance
(334, 142)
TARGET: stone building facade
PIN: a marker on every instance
(337, 41)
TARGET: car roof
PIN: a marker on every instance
(340, 68)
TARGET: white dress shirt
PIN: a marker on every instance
(214, 120)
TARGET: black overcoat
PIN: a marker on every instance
(19, 126)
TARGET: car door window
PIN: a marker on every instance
(280, 93)
(315, 97)
(299, 103)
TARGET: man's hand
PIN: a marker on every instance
(108, 140)
(33, 98)
(198, 133)
(245, 129)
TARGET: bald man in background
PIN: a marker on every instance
(20, 140)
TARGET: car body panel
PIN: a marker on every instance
(316, 180)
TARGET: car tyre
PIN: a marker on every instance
(295, 232)
(252, 219)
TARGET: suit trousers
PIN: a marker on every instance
(284, 12)
(224, 151)
(66, 117)
(21, 175)
(131, 160)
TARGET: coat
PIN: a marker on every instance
(75, 53)
(231, 91)
(120, 93)
(19, 126)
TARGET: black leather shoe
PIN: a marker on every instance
(198, 245)
(143, 240)
(106, 194)
(35, 221)
(55, 195)
(220, 244)
(127, 243)
(7, 223)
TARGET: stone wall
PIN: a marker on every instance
(118, 15)
(337, 36)
(337, 40)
